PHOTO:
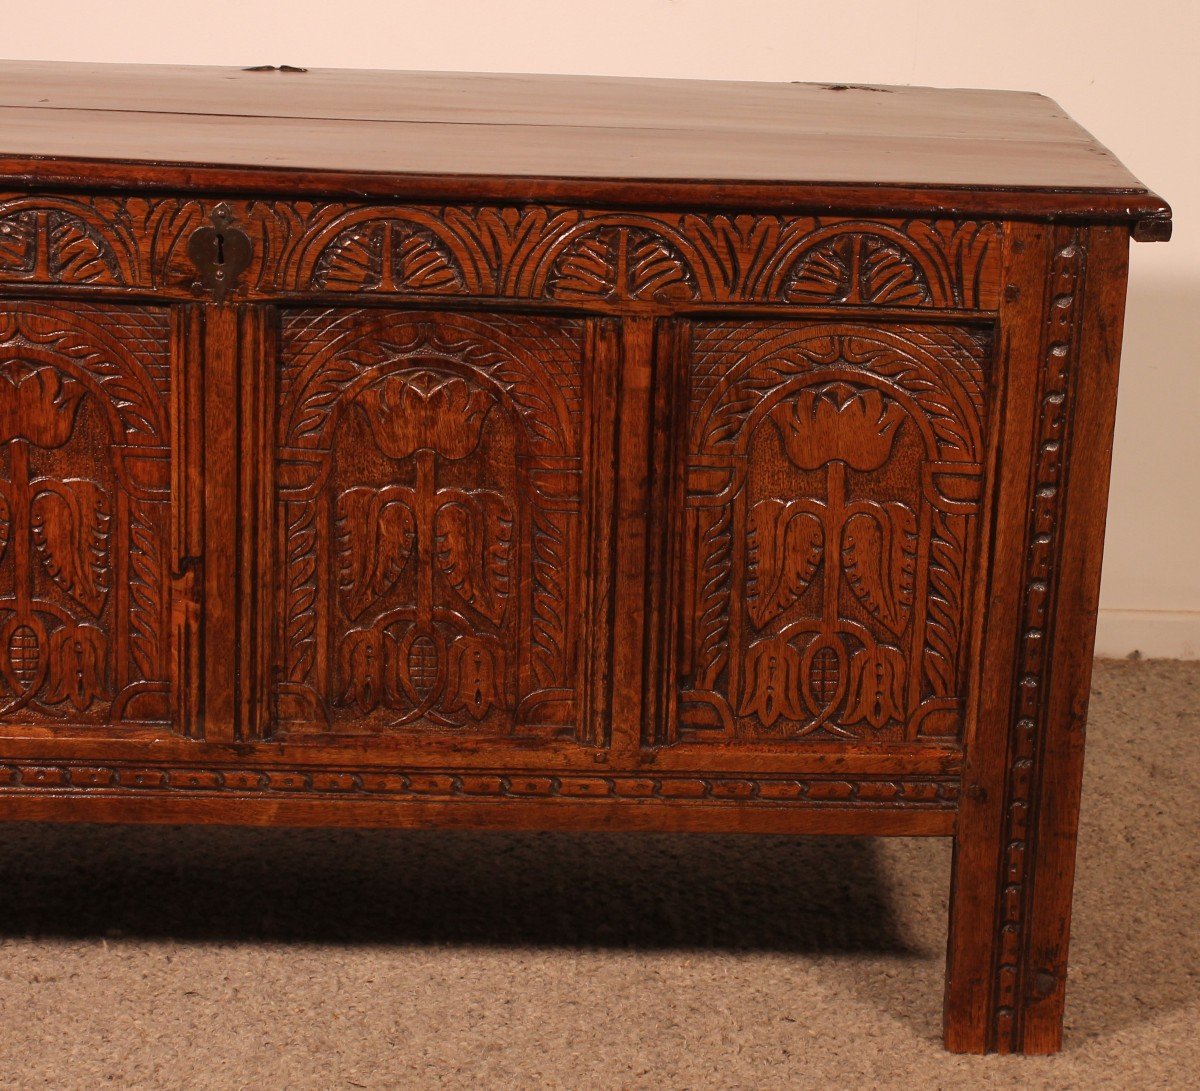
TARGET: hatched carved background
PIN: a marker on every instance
(833, 485)
(430, 494)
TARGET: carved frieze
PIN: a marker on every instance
(520, 252)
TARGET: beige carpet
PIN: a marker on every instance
(142, 957)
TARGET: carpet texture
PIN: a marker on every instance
(142, 957)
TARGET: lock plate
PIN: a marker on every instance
(220, 252)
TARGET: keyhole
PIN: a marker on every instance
(220, 252)
(219, 258)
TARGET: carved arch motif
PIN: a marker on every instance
(384, 250)
(84, 545)
(430, 494)
(508, 251)
(62, 241)
(621, 261)
(849, 462)
(857, 267)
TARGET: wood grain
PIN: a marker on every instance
(833, 144)
(551, 126)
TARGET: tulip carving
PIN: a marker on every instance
(772, 682)
(876, 686)
(838, 423)
(832, 672)
(77, 655)
(37, 404)
(425, 411)
(61, 527)
(367, 665)
(476, 668)
(435, 658)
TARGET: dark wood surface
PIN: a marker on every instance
(512, 502)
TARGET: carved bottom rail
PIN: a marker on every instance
(931, 792)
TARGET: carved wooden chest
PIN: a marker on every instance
(411, 450)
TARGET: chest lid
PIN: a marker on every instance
(495, 136)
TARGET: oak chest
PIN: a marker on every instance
(510, 451)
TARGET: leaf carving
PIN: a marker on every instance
(18, 243)
(375, 532)
(424, 265)
(5, 523)
(630, 263)
(473, 548)
(78, 253)
(786, 545)
(856, 267)
(656, 270)
(879, 551)
(72, 525)
(588, 268)
(386, 255)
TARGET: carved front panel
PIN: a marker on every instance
(85, 488)
(832, 491)
(430, 505)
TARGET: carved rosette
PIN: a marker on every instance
(430, 487)
(848, 462)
